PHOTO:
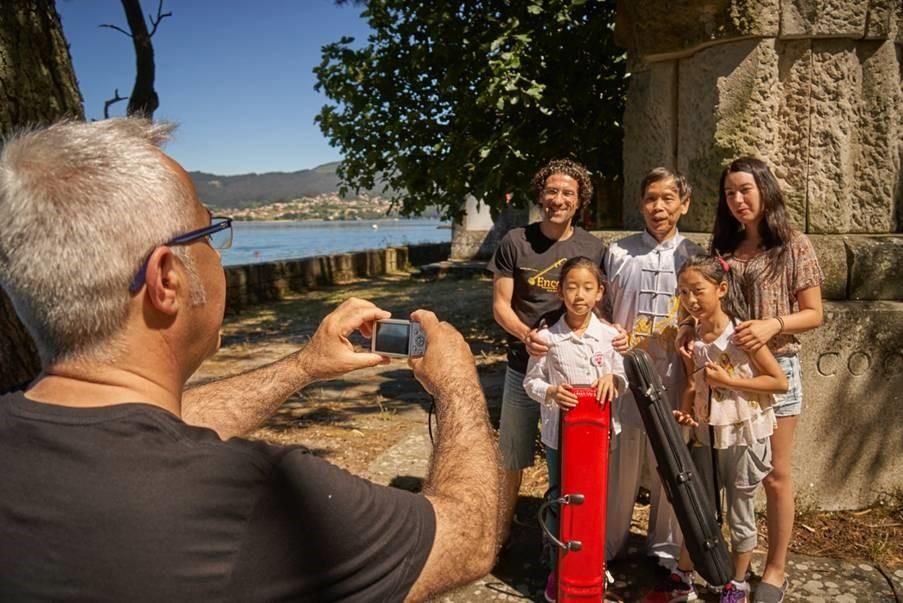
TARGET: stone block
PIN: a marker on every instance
(401, 258)
(650, 130)
(655, 27)
(340, 268)
(391, 260)
(849, 441)
(875, 267)
(236, 288)
(362, 264)
(898, 21)
(274, 281)
(854, 156)
(882, 19)
(311, 272)
(832, 257)
(743, 98)
(824, 18)
(879, 135)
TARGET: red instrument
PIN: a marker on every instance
(584, 485)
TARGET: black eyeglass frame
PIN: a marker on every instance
(184, 239)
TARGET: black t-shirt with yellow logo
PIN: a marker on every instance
(534, 262)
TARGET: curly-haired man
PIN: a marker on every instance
(526, 266)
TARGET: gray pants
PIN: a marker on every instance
(740, 471)
(519, 423)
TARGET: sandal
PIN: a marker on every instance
(769, 593)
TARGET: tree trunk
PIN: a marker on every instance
(143, 100)
(37, 86)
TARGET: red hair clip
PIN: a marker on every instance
(724, 265)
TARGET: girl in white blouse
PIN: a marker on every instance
(580, 353)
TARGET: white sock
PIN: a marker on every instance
(685, 575)
(744, 586)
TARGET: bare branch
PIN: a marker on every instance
(112, 101)
(116, 27)
(160, 16)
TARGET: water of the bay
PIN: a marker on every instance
(267, 241)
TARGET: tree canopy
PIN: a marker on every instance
(456, 98)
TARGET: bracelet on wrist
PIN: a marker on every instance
(780, 322)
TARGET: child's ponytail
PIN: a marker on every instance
(734, 303)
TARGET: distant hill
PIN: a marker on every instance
(246, 190)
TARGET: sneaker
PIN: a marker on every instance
(672, 590)
(732, 594)
(551, 592)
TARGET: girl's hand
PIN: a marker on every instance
(686, 335)
(605, 388)
(563, 396)
(686, 352)
(716, 375)
(685, 418)
(753, 334)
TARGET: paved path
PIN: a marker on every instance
(520, 574)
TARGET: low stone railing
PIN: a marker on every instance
(250, 284)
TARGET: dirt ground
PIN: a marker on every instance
(352, 421)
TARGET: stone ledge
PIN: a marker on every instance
(856, 267)
(250, 284)
(452, 269)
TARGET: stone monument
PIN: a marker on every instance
(814, 88)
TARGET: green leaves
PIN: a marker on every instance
(471, 97)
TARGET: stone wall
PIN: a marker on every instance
(849, 444)
(814, 88)
(250, 284)
(811, 86)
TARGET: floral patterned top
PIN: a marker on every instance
(770, 296)
(737, 418)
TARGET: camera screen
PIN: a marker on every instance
(392, 338)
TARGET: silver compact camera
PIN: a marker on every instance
(398, 338)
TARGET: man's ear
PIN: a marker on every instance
(685, 205)
(163, 281)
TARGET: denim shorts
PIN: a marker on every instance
(519, 423)
(791, 403)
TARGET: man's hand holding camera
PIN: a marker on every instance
(447, 362)
(330, 354)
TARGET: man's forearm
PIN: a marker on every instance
(465, 453)
(462, 485)
(508, 320)
(237, 405)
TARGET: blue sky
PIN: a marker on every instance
(235, 74)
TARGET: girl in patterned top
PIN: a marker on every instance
(784, 299)
(727, 402)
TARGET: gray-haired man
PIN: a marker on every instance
(119, 486)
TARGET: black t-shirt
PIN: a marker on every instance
(534, 262)
(128, 503)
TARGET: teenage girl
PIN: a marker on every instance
(728, 402)
(752, 232)
(580, 352)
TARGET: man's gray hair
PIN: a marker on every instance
(657, 174)
(81, 207)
